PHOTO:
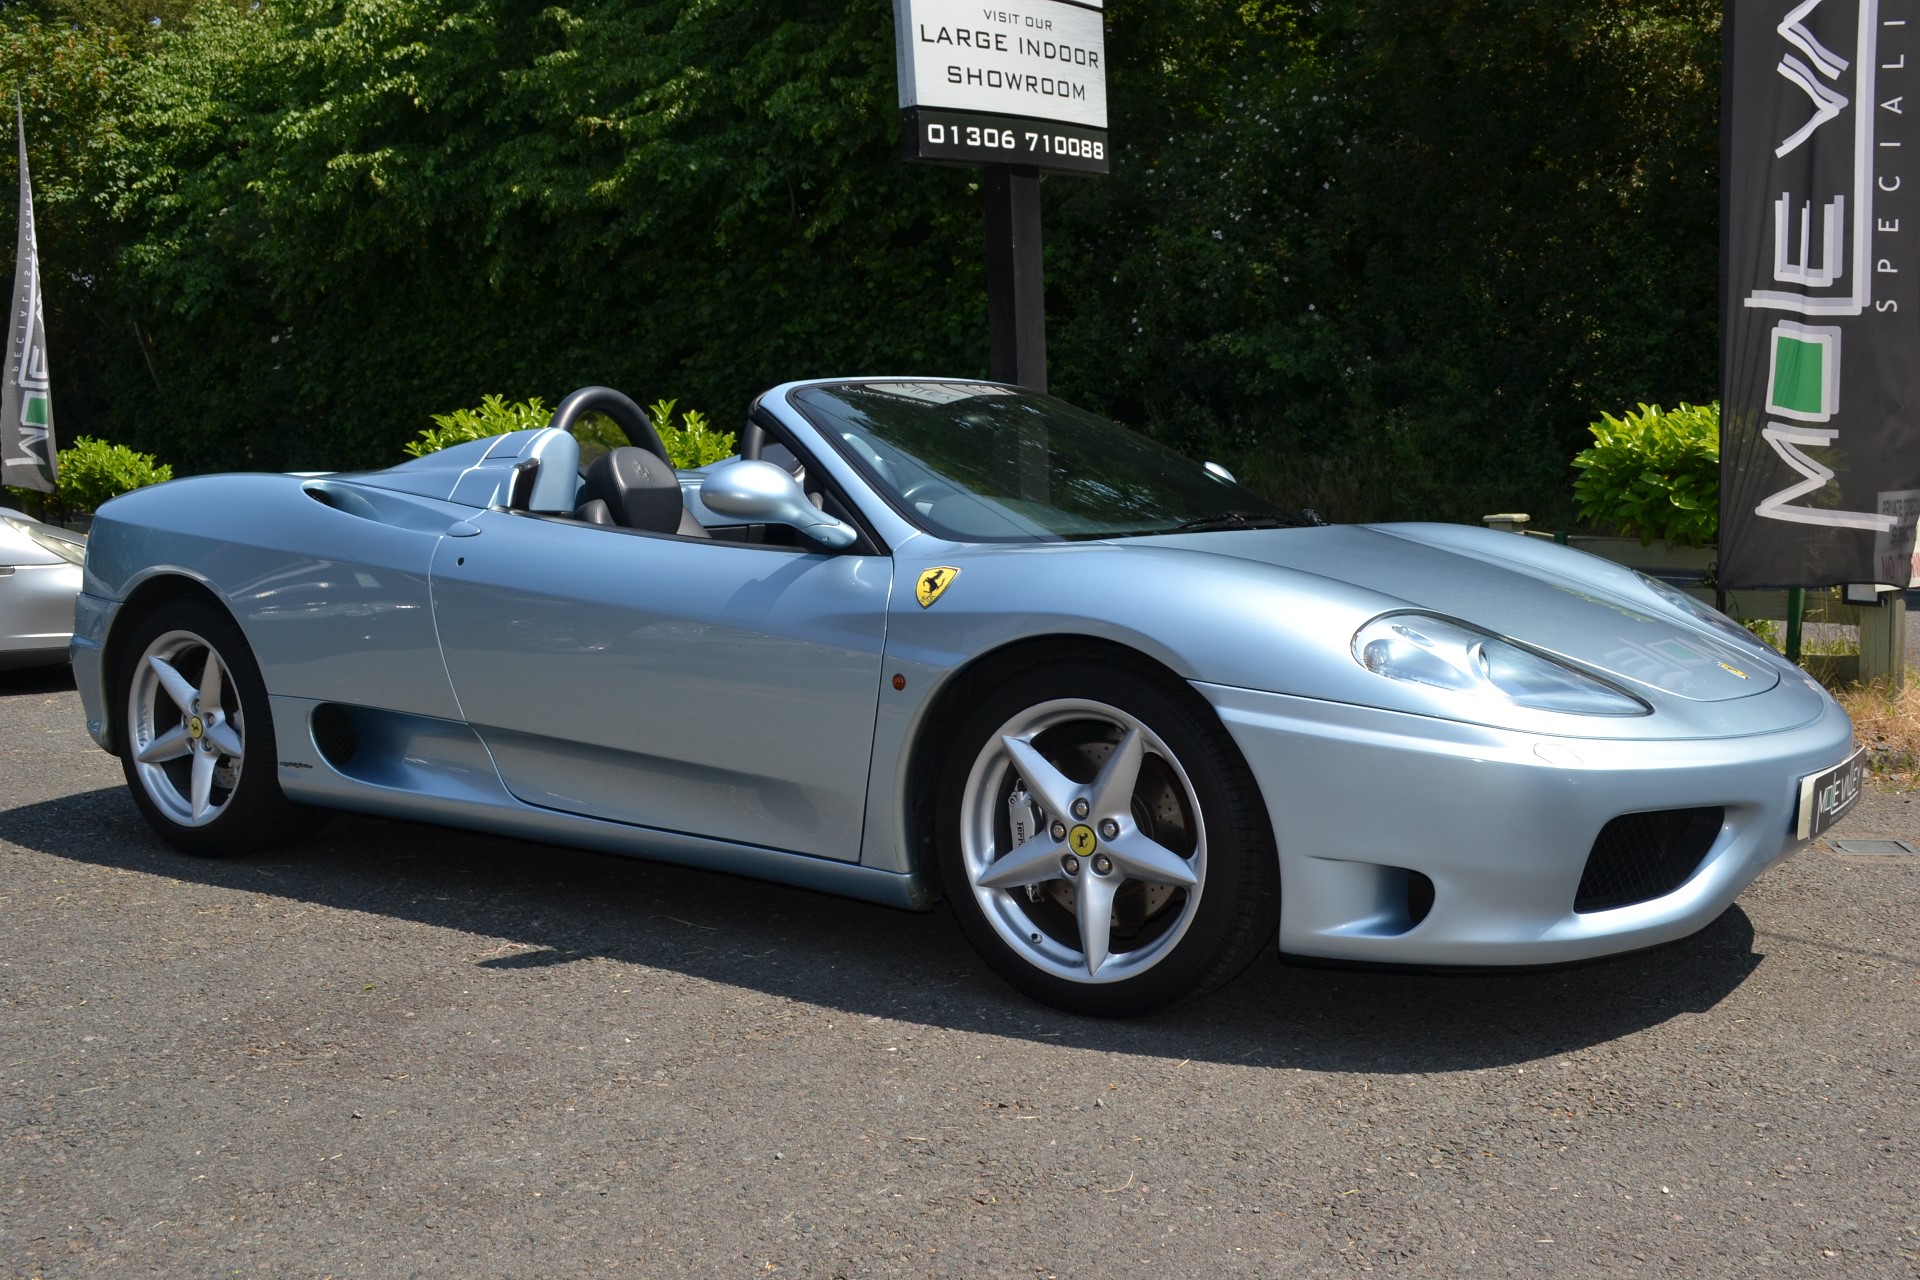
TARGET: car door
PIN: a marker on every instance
(690, 684)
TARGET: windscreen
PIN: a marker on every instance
(977, 462)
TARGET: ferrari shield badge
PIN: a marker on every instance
(932, 583)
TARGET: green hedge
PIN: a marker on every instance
(1383, 259)
(692, 442)
(1653, 473)
(89, 473)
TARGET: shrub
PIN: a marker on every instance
(1654, 473)
(692, 444)
(598, 434)
(494, 417)
(92, 471)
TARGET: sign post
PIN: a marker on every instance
(1018, 87)
(1016, 278)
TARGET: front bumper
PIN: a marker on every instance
(92, 619)
(1501, 823)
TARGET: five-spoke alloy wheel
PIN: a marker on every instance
(1102, 842)
(195, 735)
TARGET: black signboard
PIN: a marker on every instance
(1820, 332)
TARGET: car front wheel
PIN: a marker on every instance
(197, 740)
(1102, 842)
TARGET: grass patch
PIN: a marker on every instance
(1887, 722)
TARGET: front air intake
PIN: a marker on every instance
(1641, 856)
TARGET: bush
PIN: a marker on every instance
(1654, 474)
(692, 444)
(494, 417)
(92, 471)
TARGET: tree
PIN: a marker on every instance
(1383, 259)
(353, 214)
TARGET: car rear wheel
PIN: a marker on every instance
(196, 740)
(1102, 842)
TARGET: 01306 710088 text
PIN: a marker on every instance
(1035, 143)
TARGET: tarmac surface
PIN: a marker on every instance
(393, 1050)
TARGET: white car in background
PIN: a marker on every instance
(39, 577)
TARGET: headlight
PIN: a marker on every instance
(72, 550)
(1712, 617)
(1447, 655)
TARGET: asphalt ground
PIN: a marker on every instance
(393, 1050)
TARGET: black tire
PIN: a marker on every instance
(209, 784)
(1174, 930)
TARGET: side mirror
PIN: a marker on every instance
(761, 493)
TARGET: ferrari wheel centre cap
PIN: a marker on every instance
(1082, 841)
(196, 727)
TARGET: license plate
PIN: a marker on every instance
(1825, 797)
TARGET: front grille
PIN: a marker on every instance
(1640, 856)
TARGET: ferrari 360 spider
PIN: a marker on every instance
(932, 638)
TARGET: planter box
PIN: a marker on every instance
(1661, 559)
(1683, 567)
(1882, 629)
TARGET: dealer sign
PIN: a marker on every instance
(1820, 423)
(1020, 82)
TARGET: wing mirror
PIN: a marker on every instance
(761, 493)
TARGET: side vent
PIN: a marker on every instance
(334, 734)
(340, 498)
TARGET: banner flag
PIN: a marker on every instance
(28, 457)
(1820, 306)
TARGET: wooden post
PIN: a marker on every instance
(1883, 640)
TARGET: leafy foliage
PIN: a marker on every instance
(598, 434)
(91, 471)
(694, 443)
(1388, 259)
(1380, 259)
(494, 417)
(345, 213)
(1654, 474)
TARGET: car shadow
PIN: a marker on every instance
(31, 680)
(560, 905)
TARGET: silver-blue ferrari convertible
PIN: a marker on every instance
(929, 638)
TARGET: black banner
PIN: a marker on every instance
(1820, 308)
(28, 455)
